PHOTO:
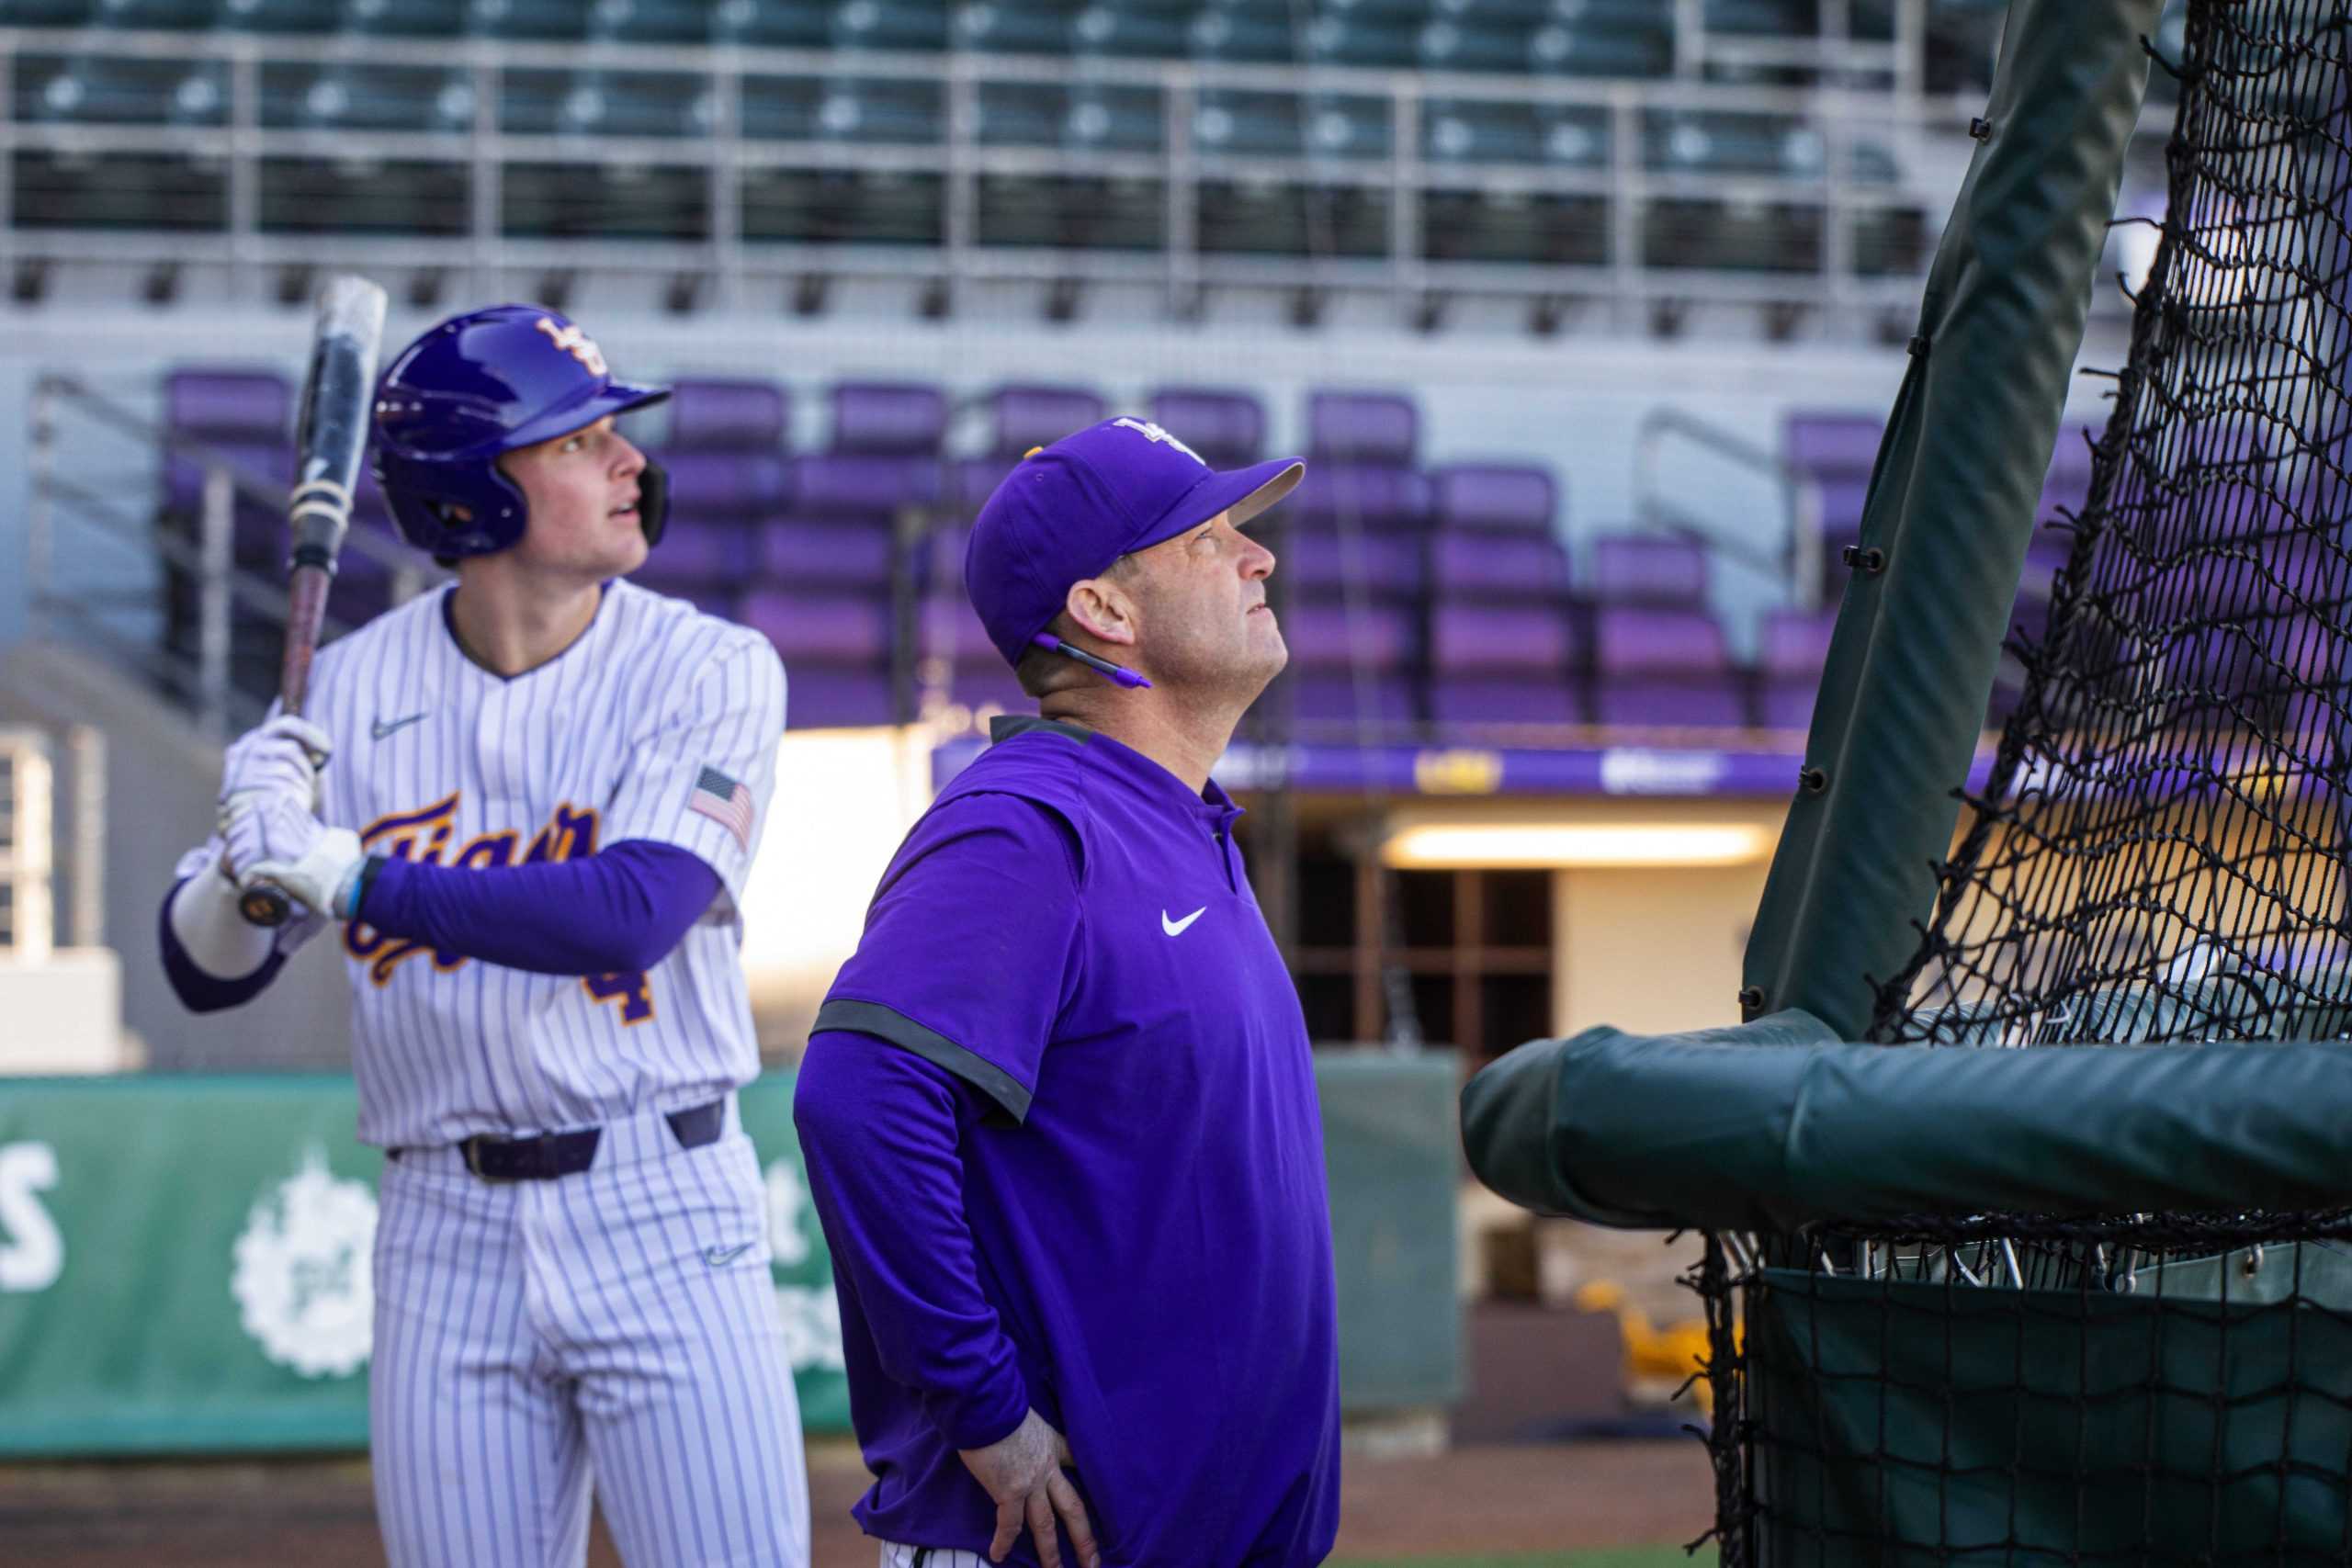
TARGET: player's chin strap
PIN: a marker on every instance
(654, 500)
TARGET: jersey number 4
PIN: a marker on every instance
(630, 989)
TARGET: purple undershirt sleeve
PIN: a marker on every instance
(198, 991)
(619, 910)
(880, 1128)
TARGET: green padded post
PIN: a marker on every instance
(1951, 508)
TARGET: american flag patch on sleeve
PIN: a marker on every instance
(725, 802)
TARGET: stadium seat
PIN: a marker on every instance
(1663, 667)
(839, 206)
(847, 109)
(804, 553)
(1337, 706)
(1649, 568)
(1010, 26)
(1338, 494)
(654, 21)
(301, 95)
(401, 18)
(1349, 665)
(1494, 664)
(1459, 46)
(1071, 212)
(1023, 417)
(118, 190)
(1646, 50)
(97, 90)
(1129, 32)
(890, 24)
(613, 201)
(1246, 37)
(739, 487)
(1496, 568)
(1250, 217)
(708, 415)
(597, 103)
(1522, 228)
(1227, 428)
(1490, 497)
(887, 417)
(869, 485)
(160, 16)
(323, 196)
(1318, 561)
(1361, 427)
(1046, 114)
(1791, 650)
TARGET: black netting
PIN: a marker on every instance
(2159, 854)
(2018, 1391)
(2160, 850)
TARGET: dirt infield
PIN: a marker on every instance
(1472, 1500)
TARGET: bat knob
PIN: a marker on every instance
(263, 905)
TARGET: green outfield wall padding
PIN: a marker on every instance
(1950, 506)
(1910, 1424)
(1774, 1126)
(183, 1260)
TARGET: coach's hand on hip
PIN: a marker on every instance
(275, 840)
(1023, 1471)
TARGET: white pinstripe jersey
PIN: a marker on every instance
(619, 737)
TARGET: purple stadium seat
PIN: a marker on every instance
(1663, 667)
(1324, 636)
(1326, 703)
(794, 552)
(1521, 640)
(1335, 494)
(949, 629)
(1496, 565)
(989, 686)
(820, 695)
(1380, 429)
(1227, 429)
(1495, 496)
(1790, 655)
(254, 406)
(889, 418)
(1839, 502)
(971, 481)
(1023, 417)
(736, 487)
(727, 416)
(1827, 445)
(840, 630)
(1321, 563)
(697, 550)
(862, 485)
(1648, 568)
(1471, 701)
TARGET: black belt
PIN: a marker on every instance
(551, 1155)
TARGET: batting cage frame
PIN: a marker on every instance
(2089, 1304)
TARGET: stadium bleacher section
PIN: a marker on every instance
(1419, 602)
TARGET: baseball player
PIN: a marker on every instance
(1059, 1112)
(547, 789)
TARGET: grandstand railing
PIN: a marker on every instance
(226, 599)
(28, 930)
(1921, 137)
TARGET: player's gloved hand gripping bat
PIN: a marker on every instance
(336, 398)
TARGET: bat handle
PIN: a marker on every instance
(264, 905)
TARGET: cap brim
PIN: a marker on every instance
(1244, 493)
(613, 398)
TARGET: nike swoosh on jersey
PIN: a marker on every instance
(721, 1257)
(1177, 928)
(379, 728)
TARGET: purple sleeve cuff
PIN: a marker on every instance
(880, 1128)
(618, 911)
(198, 991)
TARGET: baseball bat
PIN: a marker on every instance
(337, 395)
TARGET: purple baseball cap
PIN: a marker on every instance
(1068, 511)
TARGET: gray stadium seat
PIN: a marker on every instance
(840, 207)
(97, 90)
(365, 97)
(774, 23)
(159, 14)
(655, 21)
(549, 19)
(1012, 26)
(1073, 212)
(326, 195)
(1250, 36)
(1478, 225)
(890, 24)
(638, 104)
(118, 190)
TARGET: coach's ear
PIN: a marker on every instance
(1103, 610)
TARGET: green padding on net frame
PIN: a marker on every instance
(183, 1261)
(1911, 1424)
(1775, 1125)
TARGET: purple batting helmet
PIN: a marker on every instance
(468, 391)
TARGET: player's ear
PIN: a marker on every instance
(1103, 610)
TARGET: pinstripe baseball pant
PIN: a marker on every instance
(897, 1556)
(620, 1323)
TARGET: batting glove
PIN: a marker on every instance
(287, 756)
(319, 867)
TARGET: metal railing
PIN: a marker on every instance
(28, 928)
(198, 564)
(1796, 560)
(1922, 136)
